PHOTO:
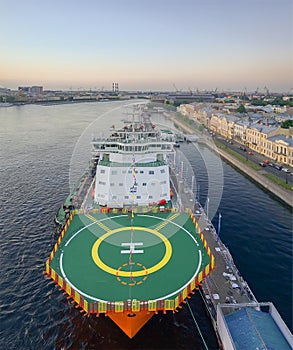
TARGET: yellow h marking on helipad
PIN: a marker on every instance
(117, 272)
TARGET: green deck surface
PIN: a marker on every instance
(90, 256)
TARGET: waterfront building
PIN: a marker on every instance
(257, 134)
(187, 110)
(223, 124)
(231, 120)
(280, 148)
(36, 90)
(200, 112)
(24, 89)
(215, 123)
(240, 127)
(254, 130)
(203, 114)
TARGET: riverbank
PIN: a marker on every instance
(258, 176)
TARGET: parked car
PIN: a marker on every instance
(250, 153)
(278, 167)
(286, 170)
(262, 164)
(271, 164)
(266, 161)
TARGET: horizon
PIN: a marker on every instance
(148, 45)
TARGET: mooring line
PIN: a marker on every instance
(197, 325)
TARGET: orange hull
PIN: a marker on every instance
(131, 323)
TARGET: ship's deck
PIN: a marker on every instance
(115, 257)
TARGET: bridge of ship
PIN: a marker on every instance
(120, 256)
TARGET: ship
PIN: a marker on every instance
(126, 249)
(133, 241)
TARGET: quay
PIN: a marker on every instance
(239, 320)
(225, 284)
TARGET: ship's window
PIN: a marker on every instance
(150, 197)
(138, 197)
(162, 171)
(112, 184)
(114, 172)
(163, 182)
(126, 197)
(153, 184)
(102, 183)
(123, 171)
(151, 172)
(129, 171)
(120, 184)
(102, 171)
(144, 184)
(114, 197)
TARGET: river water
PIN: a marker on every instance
(42, 151)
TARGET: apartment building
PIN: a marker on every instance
(215, 123)
(187, 110)
(257, 134)
(280, 148)
(240, 127)
(261, 136)
(203, 114)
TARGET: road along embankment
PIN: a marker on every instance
(286, 196)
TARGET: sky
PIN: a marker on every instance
(147, 44)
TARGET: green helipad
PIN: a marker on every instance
(111, 257)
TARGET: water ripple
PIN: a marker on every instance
(34, 158)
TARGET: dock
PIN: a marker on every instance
(225, 293)
(225, 283)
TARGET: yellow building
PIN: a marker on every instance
(187, 110)
(257, 134)
(240, 127)
(281, 147)
(215, 123)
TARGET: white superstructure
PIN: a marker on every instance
(132, 169)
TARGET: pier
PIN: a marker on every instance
(225, 284)
(226, 294)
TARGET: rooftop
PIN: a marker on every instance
(283, 138)
(254, 328)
